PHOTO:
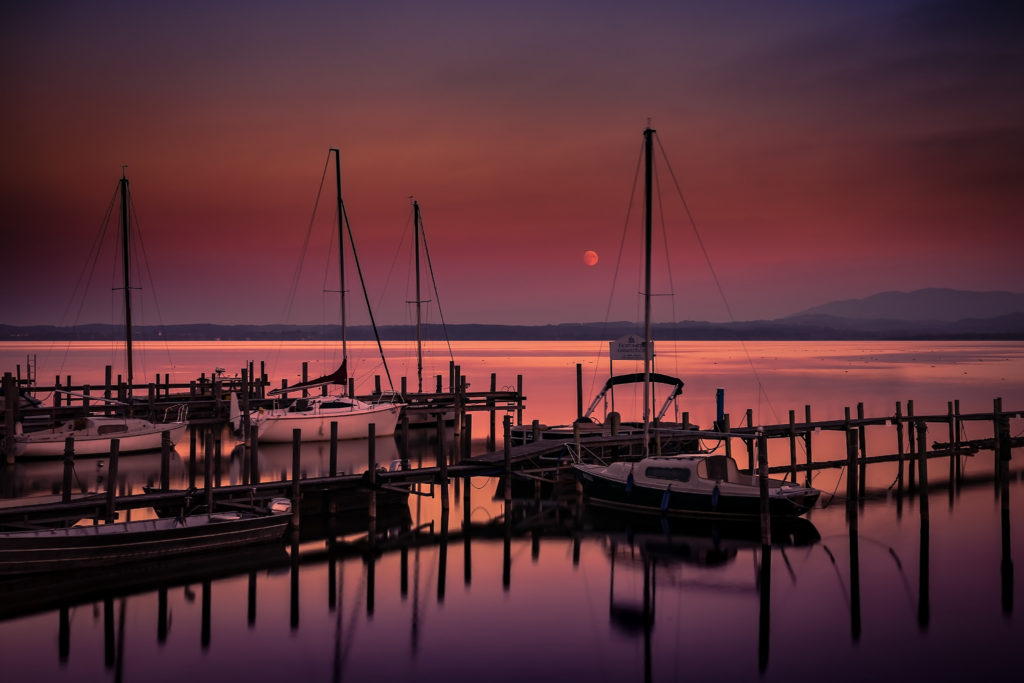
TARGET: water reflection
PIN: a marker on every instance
(639, 594)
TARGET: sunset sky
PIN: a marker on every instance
(826, 150)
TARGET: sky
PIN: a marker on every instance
(824, 150)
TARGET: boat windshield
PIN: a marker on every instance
(719, 468)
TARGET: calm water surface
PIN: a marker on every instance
(554, 593)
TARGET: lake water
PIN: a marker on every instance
(550, 593)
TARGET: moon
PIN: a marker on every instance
(590, 257)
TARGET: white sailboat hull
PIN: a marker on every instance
(275, 426)
(137, 436)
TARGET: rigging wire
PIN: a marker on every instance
(718, 284)
(433, 281)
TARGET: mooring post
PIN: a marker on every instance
(997, 415)
(191, 458)
(956, 433)
(86, 394)
(792, 443)
(165, 461)
(107, 372)
(254, 455)
(296, 489)
(922, 465)
(807, 441)
(405, 387)
(953, 456)
(305, 377)
(910, 434)
(247, 380)
(762, 480)
(208, 457)
(405, 440)
(725, 430)
(898, 419)
(750, 441)
(10, 416)
(491, 444)
(614, 418)
(851, 475)
(508, 462)
(519, 400)
(334, 449)
(371, 472)
(579, 391)
(115, 446)
(442, 461)
(439, 388)
(69, 469)
(457, 404)
(467, 440)
(376, 385)
(151, 400)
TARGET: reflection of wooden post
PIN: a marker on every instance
(208, 457)
(442, 460)
(371, 471)
(191, 458)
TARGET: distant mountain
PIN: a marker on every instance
(939, 305)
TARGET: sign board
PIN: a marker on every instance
(630, 347)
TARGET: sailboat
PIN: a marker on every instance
(313, 415)
(685, 484)
(92, 433)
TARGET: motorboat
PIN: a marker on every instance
(689, 485)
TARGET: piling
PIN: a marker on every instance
(954, 457)
(305, 377)
(334, 449)
(191, 458)
(296, 490)
(208, 457)
(165, 461)
(519, 400)
(898, 419)
(579, 391)
(115, 446)
(792, 443)
(467, 439)
(254, 454)
(762, 477)
(69, 469)
(10, 415)
(725, 429)
(750, 442)
(442, 460)
(922, 465)
(491, 442)
(371, 473)
(807, 441)
(851, 475)
(616, 422)
(508, 463)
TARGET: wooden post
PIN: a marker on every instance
(792, 443)
(165, 461)
(86, 393)
(508, 463)
(58, 397)
(953, 457)
(254, 455)
(218, 400)
(922, 465)
(191, 458)
(519, 400)
(807, 441)
(728, 440)
(305, 377)
(10, 416)
(107, 371)
(263, 379)
(898, 419)
(442, 460)
(371, 472)
(997, 416)
(296, 488)
(246, 417)
(376, 385)
(616, 422)
(750, 442)
(334, 448)
(115, 446)
(579, 391)
(439, 387)
(467, 442)
(490, 407)
(851, 475)
(910, 432)
(151, 400)
(208, 471)
(762, 477)
(956, 433)
(69, 469)
(861, 435)
(405, 440)
(405, 390)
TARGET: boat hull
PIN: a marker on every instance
(50, 443)
(714, 503)
(275, 426)
(106, 545)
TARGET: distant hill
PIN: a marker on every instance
(924, 314)
(941, 305)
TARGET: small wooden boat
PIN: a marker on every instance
(689, 485)
(71, 548)
(92, 436)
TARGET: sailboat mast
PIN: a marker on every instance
(648, 346)
(341, 251)
(126, 262)
(419, 299)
